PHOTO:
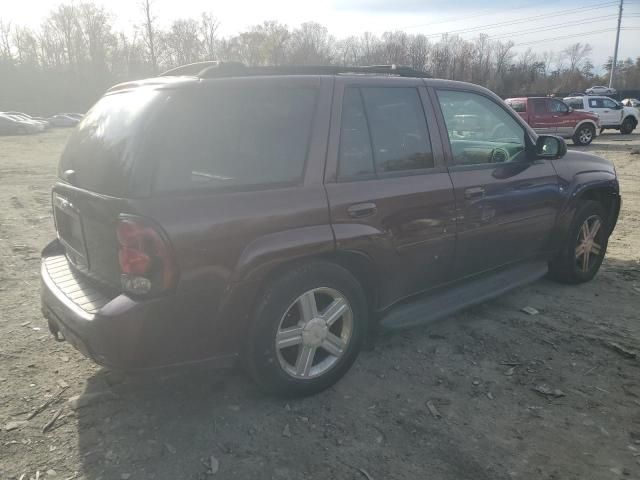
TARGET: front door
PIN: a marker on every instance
(541, 118)
(506, 202)
(606, 109)
(390, 196)
(565, 123)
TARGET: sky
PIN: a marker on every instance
(529, 24)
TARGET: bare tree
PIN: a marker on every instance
(209, 31)
(183, 43)
(150, 36)
(576, 54)
(5, 44)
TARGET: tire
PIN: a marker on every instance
(280, 312)
(584, 135)
(570, 265)
(628, 125)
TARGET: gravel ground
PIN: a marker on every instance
(452, 400)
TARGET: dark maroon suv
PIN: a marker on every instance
(281, 214)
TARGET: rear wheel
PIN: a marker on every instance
(585, 246)
(307, 330)
(584, 135)
(628, 125)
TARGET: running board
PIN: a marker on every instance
(452, 299)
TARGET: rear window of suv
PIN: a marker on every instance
(233, 138)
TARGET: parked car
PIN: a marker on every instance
(553, 116)
(60, 120)
(613, 115)
(29, 118)
(600, 90)
(631, 102)
(10, 125)
(282, 213)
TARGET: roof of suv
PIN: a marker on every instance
(197, 72)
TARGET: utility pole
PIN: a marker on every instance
(615, 52)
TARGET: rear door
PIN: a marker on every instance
(541, 118)
(506, 203)
(390, 196)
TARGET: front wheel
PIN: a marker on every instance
(307, 330)
(584, 135)
(628, 125)
(584, 247)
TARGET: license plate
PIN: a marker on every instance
(70, 233)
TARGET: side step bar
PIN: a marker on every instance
(449, 300)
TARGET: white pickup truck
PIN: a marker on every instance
(613, 115)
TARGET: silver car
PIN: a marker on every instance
(600, 90)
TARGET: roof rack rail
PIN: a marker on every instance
(229, 69)
(190, 68)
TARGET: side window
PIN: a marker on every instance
(398, 129)
(382, 130)
(355, 157)
(518, 105)
(539, 105)
(575, 103)
(607, 103)
(595, 103)
(239, 137)
(480, 131)
(558, 107)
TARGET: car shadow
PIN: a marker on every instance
(169, 425)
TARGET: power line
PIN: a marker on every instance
(555, 27)
(534, 42)
(523, 20)
(457, 19)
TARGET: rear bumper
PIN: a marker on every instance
(117, 331)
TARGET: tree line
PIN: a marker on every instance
(76, 54)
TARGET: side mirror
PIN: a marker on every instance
(550, 146)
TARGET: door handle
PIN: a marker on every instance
(473, 192)
(360, 210)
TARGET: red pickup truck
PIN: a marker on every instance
(553, 116)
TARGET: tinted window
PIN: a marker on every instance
(518, 105)
(355, 156)
(607, 103)
(539, 105)
(398, 129)
(383, 130)
(480, 130)
(103, 149)
(234, 138)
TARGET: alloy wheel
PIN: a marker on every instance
(314, 333)
(589, 246)
(586, 135)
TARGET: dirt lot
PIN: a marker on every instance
(477, 369)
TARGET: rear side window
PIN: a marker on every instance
(383, 130)
(575, 103)
(234, 138)
(539, 105)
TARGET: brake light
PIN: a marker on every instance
(145, 259)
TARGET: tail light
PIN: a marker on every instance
(145, 257)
